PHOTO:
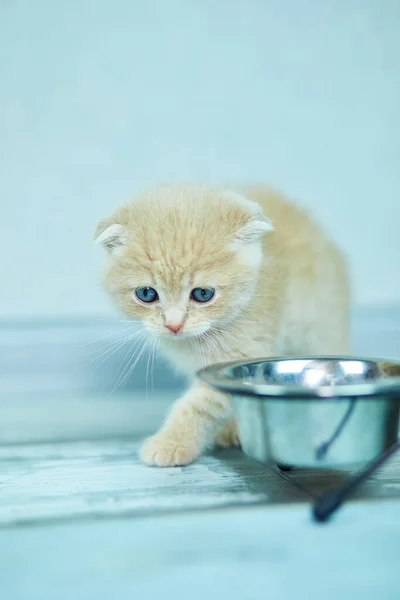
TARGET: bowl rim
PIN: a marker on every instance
(215, 377)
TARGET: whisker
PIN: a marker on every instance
(149, 354)
(224, 332)
(123, 370)
(199, 351)
(133, 348)
(154, 349)
(110, 350)
(105, 320)
(103, 337)
(108, 353)
(110, 345)
(132, 368)
(238, 337)
(225, 339)
(214, 346)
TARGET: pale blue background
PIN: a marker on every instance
(99, 98)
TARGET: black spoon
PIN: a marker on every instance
(327, 504)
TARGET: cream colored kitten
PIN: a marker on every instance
(222, 274)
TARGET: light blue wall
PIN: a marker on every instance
(98, 98)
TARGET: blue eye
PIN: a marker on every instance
(202, 294)
(146, 294)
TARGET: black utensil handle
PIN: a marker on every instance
(325, 506)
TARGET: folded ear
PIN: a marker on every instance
(253, 221)
(253, 230)
(111, 235)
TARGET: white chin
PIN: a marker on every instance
(183, 335)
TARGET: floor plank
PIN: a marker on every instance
(95, 479)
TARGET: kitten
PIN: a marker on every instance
(219, 274)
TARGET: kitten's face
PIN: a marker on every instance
(183, 260)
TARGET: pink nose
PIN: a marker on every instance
(174, 327)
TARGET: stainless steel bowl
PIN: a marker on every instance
(323, 412)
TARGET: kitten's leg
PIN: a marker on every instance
(190, 427)
(228, 435)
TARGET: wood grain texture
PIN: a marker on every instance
(72, 526)
(98, 479)
(41, 482)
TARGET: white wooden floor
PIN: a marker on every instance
(104, 478)
(82, 520)
(242, 554)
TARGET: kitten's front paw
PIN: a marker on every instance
(166, 450)
(228, 435)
